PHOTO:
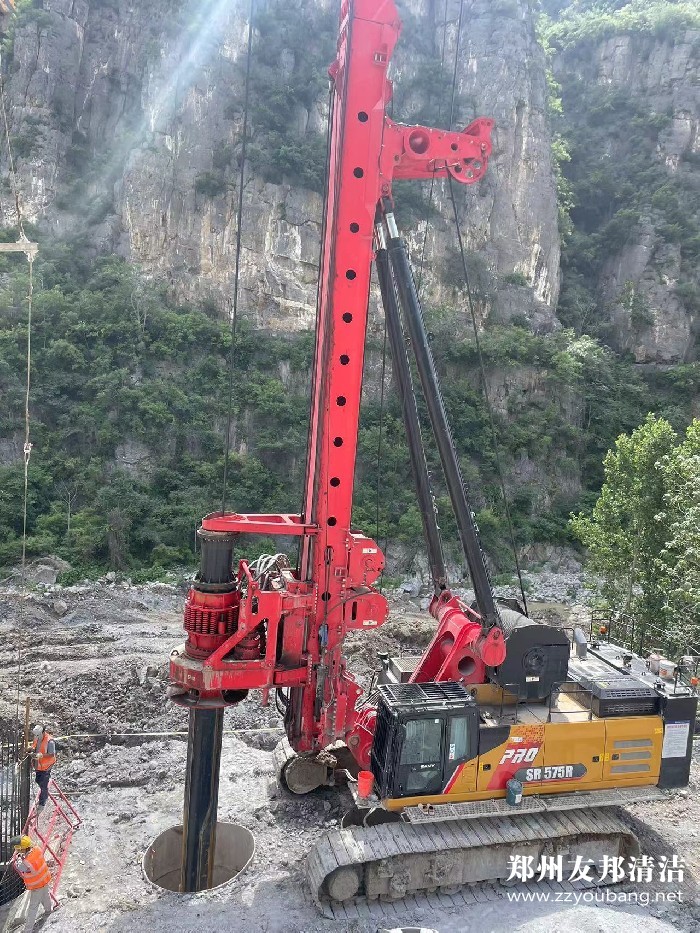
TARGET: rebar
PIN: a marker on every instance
(14, 804)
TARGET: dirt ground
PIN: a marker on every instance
(94, 661)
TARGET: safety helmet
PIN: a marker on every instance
(22, 843)
(37, 731)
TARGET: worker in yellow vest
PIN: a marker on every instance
(44, 756)
(30, 864)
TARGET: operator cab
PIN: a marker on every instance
(423, 733)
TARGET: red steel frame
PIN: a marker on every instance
(305, 624)
(61, 820)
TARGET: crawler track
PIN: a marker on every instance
(400, 859)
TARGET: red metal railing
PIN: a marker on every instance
(53, 829)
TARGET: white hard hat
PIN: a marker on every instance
(37, 731)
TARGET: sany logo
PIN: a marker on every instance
(518, 756)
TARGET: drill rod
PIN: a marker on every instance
(201, 798)
(204, 738)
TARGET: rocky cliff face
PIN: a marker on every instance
(510, 219)
(648, 284)
(123, 112)
(126, 122)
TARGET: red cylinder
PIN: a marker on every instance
(491, 648)
(365, 783)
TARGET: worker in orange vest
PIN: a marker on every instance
(44, 755)
(30, 864)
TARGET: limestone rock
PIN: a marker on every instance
(127, 73)
(658, 73)
(60, 607)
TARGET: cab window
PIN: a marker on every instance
(458, 743)
(422, 742)
(420, 771)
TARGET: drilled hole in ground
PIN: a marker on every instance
(233, 851)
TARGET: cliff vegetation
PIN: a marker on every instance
(132, 192)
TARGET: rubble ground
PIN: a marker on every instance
(94, 663)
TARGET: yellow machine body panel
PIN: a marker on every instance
(552, 757)
(633, 751)
(558, 757)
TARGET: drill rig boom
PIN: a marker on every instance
(242, 635)
(284, 629)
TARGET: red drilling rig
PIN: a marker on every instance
(268, 626)
(241, 636)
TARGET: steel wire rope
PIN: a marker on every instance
(27, 448)
(237, 267)
(487, 400)
(451, 120)
(458, 48)
(321, 259)
(26, 455)
(280, 696)
(470, 301)
(429, 205)
(432, 179)
(418, 288)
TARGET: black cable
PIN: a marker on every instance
(381, 433)
(234, 314)
(458, 44)
(482, 370)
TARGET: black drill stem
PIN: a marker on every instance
(404, 382)
(204, 739)
(413, 318)
(201, 798)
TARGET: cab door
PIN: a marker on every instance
(461, 755)
(420, 765)
(438, 755)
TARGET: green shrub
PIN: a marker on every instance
(689, 294)
(209, 184)
(656, 18)
(516, 278)
(22, 146)
(279, 151)
(222, 156)
(509, 9)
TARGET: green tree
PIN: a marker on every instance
(628, 527)
(678, 563)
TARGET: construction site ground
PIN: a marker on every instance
(93, 659)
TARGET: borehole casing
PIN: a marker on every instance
(234, 849)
